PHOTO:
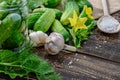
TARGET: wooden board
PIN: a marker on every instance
(74, 66)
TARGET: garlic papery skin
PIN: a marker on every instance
(42, 37)
(54, 43)
(38, 38)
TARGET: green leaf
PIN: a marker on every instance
(92, 24)
(14, 41)
(23, 63)
(81, 3)
(83, 14)
(75, 39)
(79, 36)
(82, 34)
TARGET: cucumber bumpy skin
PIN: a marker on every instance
(14, 41)
(58, 27)
(45, 21)
(52, 3)
(9, 24)
(58, 12)
(31, 19)
(3, 10)
(70, 7)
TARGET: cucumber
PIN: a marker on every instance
(3, 10)
(69, 7)
(52, 3)
(3, 14)
(9, 24)
(58, 13)
(14, 41)
(3, 5)
(45, 21)
(58, 27)
(31, 19)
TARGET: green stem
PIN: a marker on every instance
(70, 48)
(9, 64)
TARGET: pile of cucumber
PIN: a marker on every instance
(46, 18)
(11, 19)
(52, 19)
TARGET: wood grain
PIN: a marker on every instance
(74, 66)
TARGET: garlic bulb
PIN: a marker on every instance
(38, 38)
(54, 43)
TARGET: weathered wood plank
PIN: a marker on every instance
(81, 67)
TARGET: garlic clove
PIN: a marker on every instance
(57, 39)
(54, 43)
(33, 43)
(34, 37)
(51, 49)
(42, 36)
(38, 38)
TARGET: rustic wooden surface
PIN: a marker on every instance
(82, 67)
(77, 66)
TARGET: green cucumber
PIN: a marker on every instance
(52, 3)
(14, 41)
(45, 21)
(31, 19)
(58, 27)
(9, 24)
(70, 7)
(58, 13)
(3, 10)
